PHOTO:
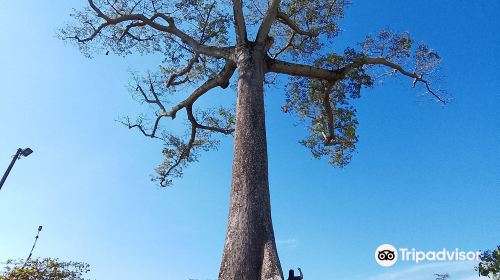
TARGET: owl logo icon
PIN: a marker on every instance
(386, 255)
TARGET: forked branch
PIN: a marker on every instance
(239, 22)
(138, 20)
(152, 90)
(184, 71)
(416, 78)
(267, 22)
(184, 152)
(289, 44)
(221, 80)
(285, 19)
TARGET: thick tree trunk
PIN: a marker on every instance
(250, 250)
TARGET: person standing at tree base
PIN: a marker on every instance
(291, 275)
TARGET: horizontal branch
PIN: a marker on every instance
(215, 129)
(302, 70)
(314, 72)
(141, 128)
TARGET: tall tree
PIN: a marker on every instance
(203, 43)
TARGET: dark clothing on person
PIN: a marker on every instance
(291, 275)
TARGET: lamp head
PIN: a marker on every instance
(26, 152)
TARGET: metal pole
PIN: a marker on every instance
(18, 153)
(34, 244)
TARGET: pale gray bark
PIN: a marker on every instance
(268, 21)
(240, 27)
(250, 250)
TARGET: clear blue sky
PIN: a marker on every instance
(424, 175)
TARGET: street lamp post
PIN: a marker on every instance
(20, 152)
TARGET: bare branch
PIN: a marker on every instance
(184, 71)
(285, 19)
(268, 21)
(130, 26)
(239, 22)
(142, 20)
(302, 70)
(288, 45)
(112, 5)
(156, 101)
(153, 92)
(330, 138)
(215, 129)
(205, 24)
(291, 45)
(194, 122)
(186, 150)
(382, 61)
(221, 80)
(141, 128)
(185, 153)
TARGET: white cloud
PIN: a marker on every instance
(290, 241)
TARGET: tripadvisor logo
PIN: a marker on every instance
(387, 255)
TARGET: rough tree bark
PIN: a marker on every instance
(250, 250)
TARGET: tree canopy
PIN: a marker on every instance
(489, 265)
(44, 269)
(199, 40)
